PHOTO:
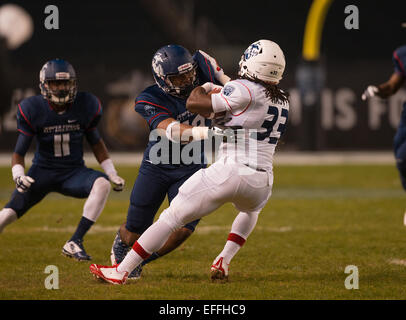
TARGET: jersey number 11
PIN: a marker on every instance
(61, 145)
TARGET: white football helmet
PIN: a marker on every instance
(263, 60)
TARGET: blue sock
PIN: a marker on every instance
(152, 257)
(83, 227)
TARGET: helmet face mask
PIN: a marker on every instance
(174, 71)
(58, 82)
(263, 60)
(60, 92)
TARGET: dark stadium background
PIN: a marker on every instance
(111, 44)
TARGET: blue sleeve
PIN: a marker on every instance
(399, 60)
(205, 70)
(93, 136)
(23, 143)
(24, 119)
(152, 111)
(95, 111)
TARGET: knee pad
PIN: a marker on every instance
(170, 219)
(101, 185)
(7, 216)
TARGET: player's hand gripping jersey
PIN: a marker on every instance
(59, 136)
(262, 122)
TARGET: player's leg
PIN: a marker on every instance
(252, 195)
(241, 228)
(400, 156)
(148, 193)
(20, 203)
(178, 236)
(197, 197)
(94, 185)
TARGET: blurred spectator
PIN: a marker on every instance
(16, 27)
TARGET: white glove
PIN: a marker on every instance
(23, 183)
(108, 167)
(227, 134)
(218, 71)
(370, 92)
(118, 182)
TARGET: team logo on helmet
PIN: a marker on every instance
(156, 65)
(253, 50)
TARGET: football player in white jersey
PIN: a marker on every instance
(255, 110)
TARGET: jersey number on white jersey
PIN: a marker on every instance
(270, 125)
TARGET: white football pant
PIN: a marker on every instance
(210, 188)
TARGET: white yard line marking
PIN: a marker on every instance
(101, 229)
(398, 262)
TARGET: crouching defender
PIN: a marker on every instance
(60, 118)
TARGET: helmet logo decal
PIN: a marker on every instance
(42, 73)
(253, 50)
(156, 65)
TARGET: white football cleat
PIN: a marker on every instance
(109, 273)
(219, 270)
(74, 249)
(404, 219)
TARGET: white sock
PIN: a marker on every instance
(150, 241)
(242, 227)
(7, 216)
(130, 262)
(97, 199)
(229, 251)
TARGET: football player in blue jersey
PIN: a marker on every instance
(385, 90)
(60, 118)
(163, 106)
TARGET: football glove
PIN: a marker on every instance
(227, 134)
(218, 71)
(23, 183)
(118, 182)
(370, 92)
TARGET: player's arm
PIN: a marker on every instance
(385, 89)
(27, 132)
(23, 182)
(219, 74)
(200, 101)
(181, 132)
(102, 156)
(391, 86)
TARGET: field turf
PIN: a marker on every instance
(319, 220)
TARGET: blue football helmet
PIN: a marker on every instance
(174, 70)
(58, 82)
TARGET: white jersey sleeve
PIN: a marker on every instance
(235, 97)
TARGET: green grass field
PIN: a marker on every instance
(319, 220)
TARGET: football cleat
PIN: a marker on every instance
(219, 270)
(118, 252)
(136, 273)
(74, 249)
(109, 274)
